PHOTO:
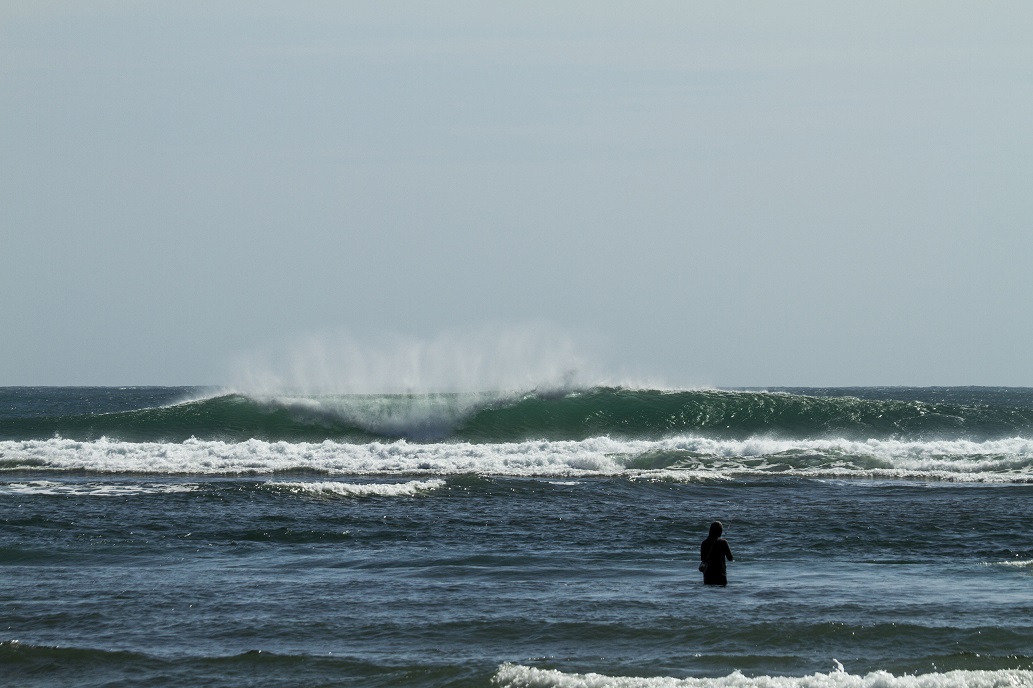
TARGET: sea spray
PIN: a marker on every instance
(505, 360)
(407, 387)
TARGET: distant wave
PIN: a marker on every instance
(570, 415)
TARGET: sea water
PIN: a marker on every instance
(186, 537)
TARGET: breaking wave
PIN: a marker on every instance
(569, 415)
(517, 676)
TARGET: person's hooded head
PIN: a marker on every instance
(716, 529)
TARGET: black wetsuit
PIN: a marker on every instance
(714, 553)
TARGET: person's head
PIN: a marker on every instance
(716, 529)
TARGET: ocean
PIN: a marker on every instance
(883, 538)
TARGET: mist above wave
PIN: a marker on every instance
(500, 361)
(415, 416)
(419, 388)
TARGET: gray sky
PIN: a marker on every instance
(697, 193)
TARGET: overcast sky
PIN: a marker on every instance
(697, 193)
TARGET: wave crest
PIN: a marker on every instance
(677, 458)
(493, 417)
(517, 676)
(407, 489)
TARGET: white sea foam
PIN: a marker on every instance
(517, 676)
(259, 457)
(49, 487)
(679, 458)
(407, 489)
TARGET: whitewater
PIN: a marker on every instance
(197, 536)
(678, 458)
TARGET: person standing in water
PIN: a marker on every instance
(712, 554)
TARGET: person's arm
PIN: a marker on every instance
(728, 552)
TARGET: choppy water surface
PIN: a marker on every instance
(887, 556)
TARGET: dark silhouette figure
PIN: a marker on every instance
(712, 552)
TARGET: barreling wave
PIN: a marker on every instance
(572, 415)
(229, 417)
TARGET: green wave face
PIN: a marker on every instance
(575, 415)
(230, 418)
(733, 414)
